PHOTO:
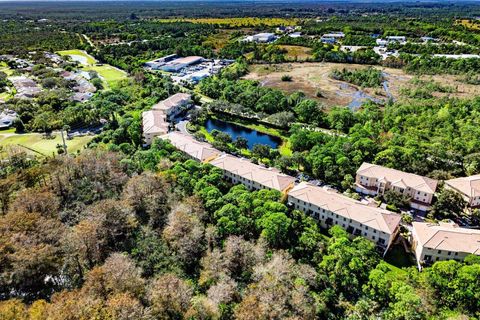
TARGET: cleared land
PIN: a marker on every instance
(313, 78)
(109, 74)
(33, 143)
(297, 53)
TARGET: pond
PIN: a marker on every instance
(253, 137)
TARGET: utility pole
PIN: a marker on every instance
(63, 138)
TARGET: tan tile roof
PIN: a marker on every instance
(397, 177)
(186, 143)
(172, 101)
(447, 236)
(469, 186)
(373, 217)
(268, 177)
(153, 122)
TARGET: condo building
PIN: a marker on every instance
(468, 187)
(374, 180)
(331, 208)
(443, 241)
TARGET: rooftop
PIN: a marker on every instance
(373, 217)
(268, 177)
(469, 186)
(198, 150)
(447, 236)
(153, 122)
(172, 101)
(398, 178)
(186, 60)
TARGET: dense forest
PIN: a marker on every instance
(154, 236)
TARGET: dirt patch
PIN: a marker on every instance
(313, 78)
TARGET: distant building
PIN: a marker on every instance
(283, 29)
(468, 188)
(178, 64)
(329, 40)
(443, 241)
(155, 121)
(373, 179)
(154, 64)
(381, 42)
(399, 39)
(335, 35)
(331, 208)
(429, 39)
(295, 35)
(261, 38)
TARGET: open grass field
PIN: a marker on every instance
(33, 143)
(313, 78)
(240, 22)
(220, 39)
(472, 25)
(79, 55)
(297, 53)
(109, 74)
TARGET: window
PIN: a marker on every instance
(456, 253)
(439, 251)
(381, 240)
(449, 252)
(427, 257)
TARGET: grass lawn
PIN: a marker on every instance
(47, 147)
(78, 55)
(5, 96)
(109, 74)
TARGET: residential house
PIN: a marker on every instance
(331, 208)
(26, 88)
(7, 118)
(373, 179)
(443, 241)
(468, 187)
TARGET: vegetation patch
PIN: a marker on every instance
(240, 22)
(367, 78)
